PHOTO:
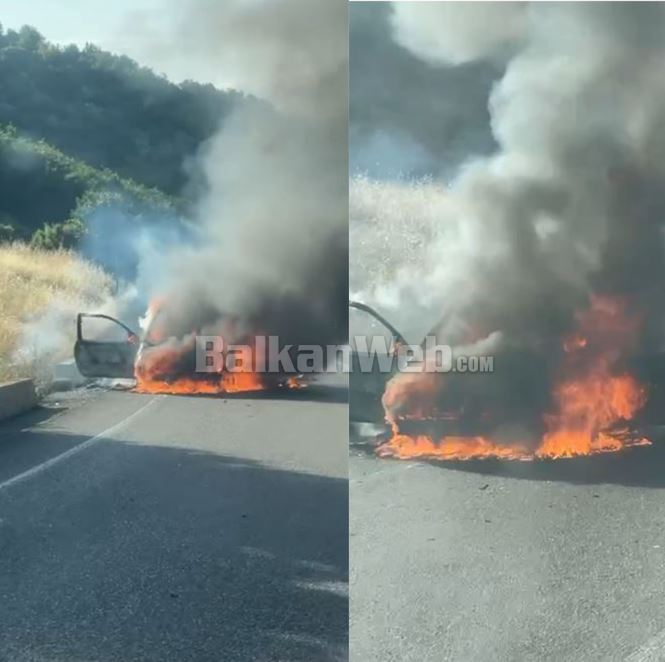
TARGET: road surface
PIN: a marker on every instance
(139, 527)
(551, 561)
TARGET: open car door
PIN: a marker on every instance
(368, 377)
(105, 348)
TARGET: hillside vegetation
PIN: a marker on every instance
(105, 109)
(32, 283)
(46, 194)
(93, 149)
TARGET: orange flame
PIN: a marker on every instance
(158, 368)
(404, 447)
(235, 383)
(592, 404)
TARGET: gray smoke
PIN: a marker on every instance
(450, 33)
(572, 201)
(409, 118)
(570, 205)
(274, 215)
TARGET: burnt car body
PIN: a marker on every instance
(153, 355)
(461, 408)
(513, 394)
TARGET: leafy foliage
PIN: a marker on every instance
(47, 195)
(59, 235)
(105, 109)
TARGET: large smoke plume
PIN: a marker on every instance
(266, 240)
(401, 124)
(571, 203)
(273, 238)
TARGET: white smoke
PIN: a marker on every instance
(268, 240)
(455, 32)
(273, 219)
(524, 234)
(290, 52)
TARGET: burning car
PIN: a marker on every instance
(592, 394)
(163, 362)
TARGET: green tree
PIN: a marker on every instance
(106, 110)
(59, 235)
(38, 181)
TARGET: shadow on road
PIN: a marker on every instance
(10, 427)
(135, 552)
(636, 467)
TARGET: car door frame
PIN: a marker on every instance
(366, 388)
(101, 358)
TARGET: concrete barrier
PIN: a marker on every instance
(17, 397)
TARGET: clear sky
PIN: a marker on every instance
(118, 26)
(74, 21)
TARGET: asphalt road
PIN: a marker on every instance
(490, 561)
(140, 528)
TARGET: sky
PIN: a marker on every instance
(74, 21)
(119, 26)
(407, 119)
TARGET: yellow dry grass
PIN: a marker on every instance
(34, 281)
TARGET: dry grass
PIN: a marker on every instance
(48, 286)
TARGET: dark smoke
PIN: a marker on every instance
(571, 203)
(403, 120)
(274, 215)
